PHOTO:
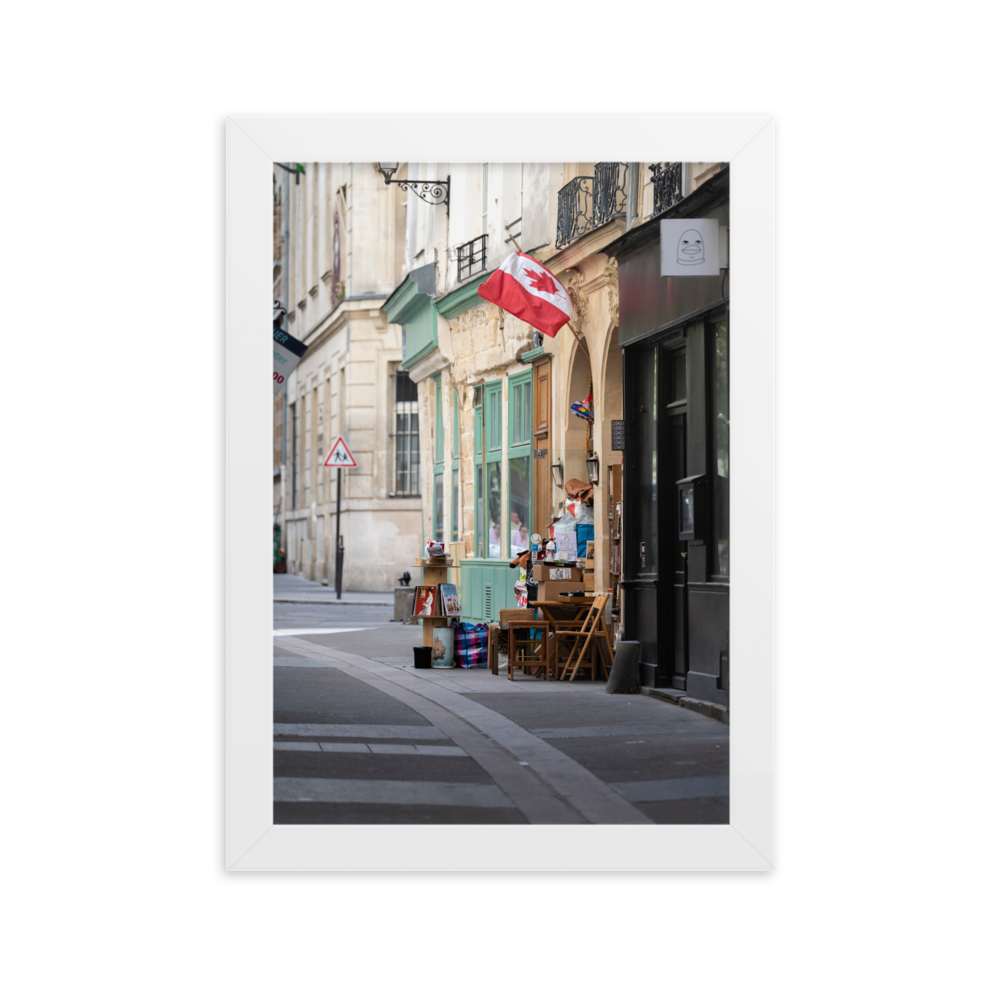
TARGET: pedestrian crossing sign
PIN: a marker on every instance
(340, 456)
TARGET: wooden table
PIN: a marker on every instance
(574, 609)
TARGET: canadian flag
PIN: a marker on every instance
(529, 291)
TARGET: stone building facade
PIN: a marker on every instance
(494, 396)
(458, 414)
(342, 240)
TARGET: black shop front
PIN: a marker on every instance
(674, 333)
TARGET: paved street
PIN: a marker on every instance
(362, 737)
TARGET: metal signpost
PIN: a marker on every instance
(340, 458)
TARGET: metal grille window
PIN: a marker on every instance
(406, 437)
(471, 257)
(666, 185)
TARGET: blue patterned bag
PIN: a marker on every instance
(471, 642)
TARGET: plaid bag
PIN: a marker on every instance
(471, 644)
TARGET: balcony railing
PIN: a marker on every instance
(588, 202)
(471, 257)
(666, 185)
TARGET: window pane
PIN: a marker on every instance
(438, 425)
(495, 510)
(721, 553)
(456, 514)
(402, 452)
(414, 485)
(680, 378)
(478, 476)
(406, 390)
(516, 408)
(648, 512)
(439, 506)
(519, 484)
(407, 450)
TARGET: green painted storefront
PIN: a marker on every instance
(487, 585)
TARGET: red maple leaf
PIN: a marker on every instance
(541, 280)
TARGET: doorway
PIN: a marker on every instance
(656, 558)
(674, 589)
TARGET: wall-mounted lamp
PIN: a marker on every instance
(594, 468)
(557, 475)
(433, 192)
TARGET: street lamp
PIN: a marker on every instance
(557, 475)
(594, 468)
(433, 192)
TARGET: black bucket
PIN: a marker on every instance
(422, 656)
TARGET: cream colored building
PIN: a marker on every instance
(342, 239)
(494, 397)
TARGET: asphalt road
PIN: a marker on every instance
(362, 737)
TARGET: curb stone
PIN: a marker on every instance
(714, 711)
(353, 604)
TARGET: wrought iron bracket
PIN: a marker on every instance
(433, 192)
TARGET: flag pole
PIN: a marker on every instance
(571, 330)
(582, 344)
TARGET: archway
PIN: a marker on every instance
(578, 441)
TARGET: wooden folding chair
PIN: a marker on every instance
(589, 635)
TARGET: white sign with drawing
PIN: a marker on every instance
(689, 247)
(340, 456)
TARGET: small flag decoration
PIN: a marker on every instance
(529, 291)
(584, 408)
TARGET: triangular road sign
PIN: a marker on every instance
(340, 456)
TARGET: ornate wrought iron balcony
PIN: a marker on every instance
(588, 202)
(666, 185)
(471, 257)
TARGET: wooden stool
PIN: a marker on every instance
(535, 654)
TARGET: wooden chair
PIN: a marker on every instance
(493, 648)
(533, 654)
(590, 637)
